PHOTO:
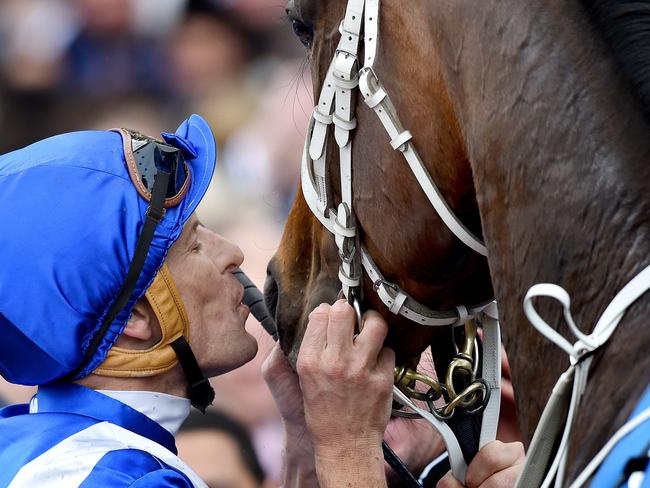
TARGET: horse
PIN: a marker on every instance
(532, 119)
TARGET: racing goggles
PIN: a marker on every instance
(147, 159)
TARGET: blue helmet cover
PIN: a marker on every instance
(70, 218)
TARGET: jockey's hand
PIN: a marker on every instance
(299, 468)
(285, 388)
(347, 386)
(497, 465)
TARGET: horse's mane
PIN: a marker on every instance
(625, 25)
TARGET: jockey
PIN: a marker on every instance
(118, 304)
(98, 308)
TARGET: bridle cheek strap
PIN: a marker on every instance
(167, 304)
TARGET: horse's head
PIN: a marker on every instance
(406, 238)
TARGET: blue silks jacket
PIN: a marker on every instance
(82, 438)
(636, 444)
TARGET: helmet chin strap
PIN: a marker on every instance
(199, 390)
(173, 347)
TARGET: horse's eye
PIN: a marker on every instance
(304, 32)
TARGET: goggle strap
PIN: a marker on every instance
(155, 213)
(199, 390)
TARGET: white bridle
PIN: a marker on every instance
(336, 106)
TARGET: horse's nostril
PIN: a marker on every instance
(271, 293)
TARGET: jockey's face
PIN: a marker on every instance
(201, 263)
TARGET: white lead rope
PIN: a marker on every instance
(572, 384)
(456, 458)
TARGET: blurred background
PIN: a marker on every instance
(70, 65)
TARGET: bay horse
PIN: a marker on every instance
(532, 119)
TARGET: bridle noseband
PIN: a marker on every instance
(336, 107)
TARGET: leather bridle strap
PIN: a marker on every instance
(561, 409)
(400, 302)
(491, 372)
(377, 98)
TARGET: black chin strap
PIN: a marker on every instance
(199, 390)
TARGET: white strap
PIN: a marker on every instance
(399, 142)
(491, 373)
(580, 364)
(345, 164)
(400, 139)
(397, 305)
(371, 32)
(325, 107)
(352, 22)
(605, 326)
(456, 459)
(309, 191)
(396, 299)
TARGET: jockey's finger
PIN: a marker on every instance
(503, 479)
(448, 481)
(372, 337)
(340, 329)
(492, 458)
(316, 331)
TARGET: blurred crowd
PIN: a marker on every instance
(70, 65)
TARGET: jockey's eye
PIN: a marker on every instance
(304, 32)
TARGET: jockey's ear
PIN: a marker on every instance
(142, 329)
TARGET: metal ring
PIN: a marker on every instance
(440, 414)
(456, 401)
(484, 402)
(356, 305)
(380, 281)
(357, 310)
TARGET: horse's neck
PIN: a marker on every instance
(560, 155)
